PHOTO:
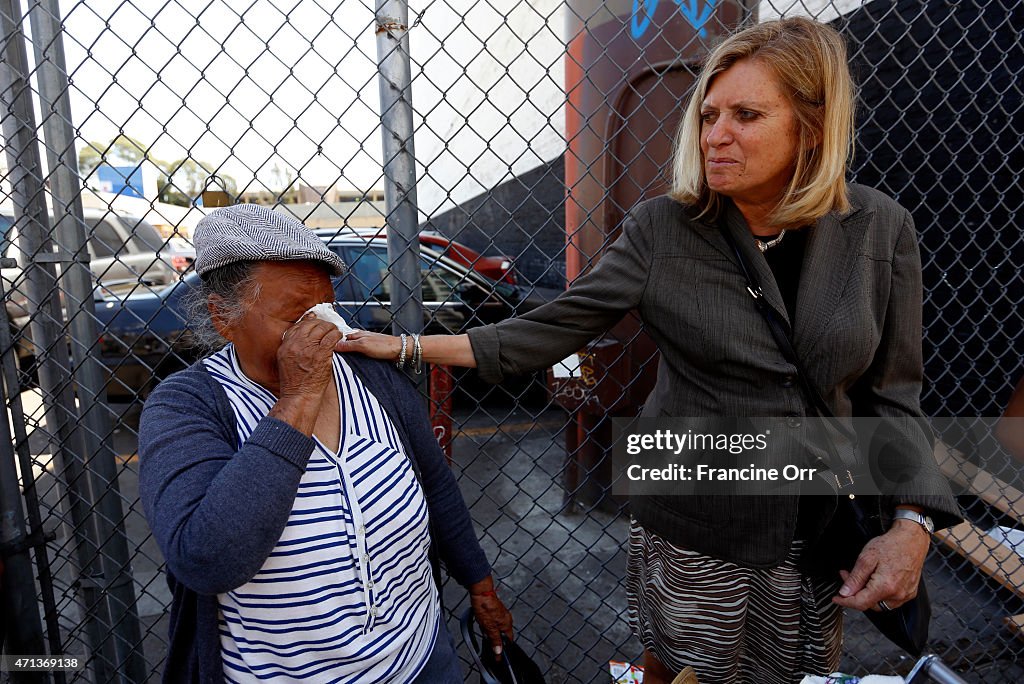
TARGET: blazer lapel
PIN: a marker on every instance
(737, 226)
(707, 229)
(832, 250)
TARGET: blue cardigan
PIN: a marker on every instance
(217, 513)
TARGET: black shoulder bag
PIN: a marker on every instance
(515, 667)
(857, 520)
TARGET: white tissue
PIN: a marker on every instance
(326, 312)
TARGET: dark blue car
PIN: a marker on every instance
(144, 336)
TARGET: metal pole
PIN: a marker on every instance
(395, 76)
(28, 196)
(18, 607)
(76, 283)
(935, 670)
(17, 600)
(35, 539)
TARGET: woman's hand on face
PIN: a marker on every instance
(304, 357)
(374, 345)
(888, 569)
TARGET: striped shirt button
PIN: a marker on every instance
(373, 611)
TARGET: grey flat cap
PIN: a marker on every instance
(252, 232)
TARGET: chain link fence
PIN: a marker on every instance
(537, 124)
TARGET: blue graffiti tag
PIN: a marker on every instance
(639, 22)
(695, 12)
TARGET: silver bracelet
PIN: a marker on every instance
(417, 354)
(400, 364)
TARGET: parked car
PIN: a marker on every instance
(179, 253)
(145, 337)
(124, 255)
(122, 249)
(500, 268)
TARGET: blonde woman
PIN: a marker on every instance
(716, 583)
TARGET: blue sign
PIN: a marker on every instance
(695, 12)
(121, 180)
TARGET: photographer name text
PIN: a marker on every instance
(707, 473)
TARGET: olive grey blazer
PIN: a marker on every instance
(857, 330)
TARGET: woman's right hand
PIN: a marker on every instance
(304, 358)
(444, 350)
(374, 345)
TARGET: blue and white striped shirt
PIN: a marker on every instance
(347, 593)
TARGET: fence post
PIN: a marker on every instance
(395, 76)
(77, 285)
(17, 601)
(28, 196)
(20, 449)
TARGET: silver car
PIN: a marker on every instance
(125, 255)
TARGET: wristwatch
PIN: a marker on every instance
(920, 518)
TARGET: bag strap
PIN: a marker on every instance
(842, 468)
(473, 646)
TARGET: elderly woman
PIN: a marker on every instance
(297, 496)
(718, 583)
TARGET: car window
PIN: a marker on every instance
(367, 271)
(144, 237)
(343, 289)
(104, 240)
(368, 266)
(436, 287)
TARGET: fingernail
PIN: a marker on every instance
(497, 650)
(845, 591)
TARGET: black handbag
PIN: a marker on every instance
(857, 519)
(515, 667)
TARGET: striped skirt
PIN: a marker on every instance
(731, 624)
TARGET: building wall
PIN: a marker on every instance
(350, 213)
(488, 92)
(939, 125)
(523, 218)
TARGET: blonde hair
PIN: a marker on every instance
(809, 61)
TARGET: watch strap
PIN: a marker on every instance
(920, 518)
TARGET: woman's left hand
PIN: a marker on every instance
(888, 569)
(492, 615)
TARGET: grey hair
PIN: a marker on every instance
(236, 286)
